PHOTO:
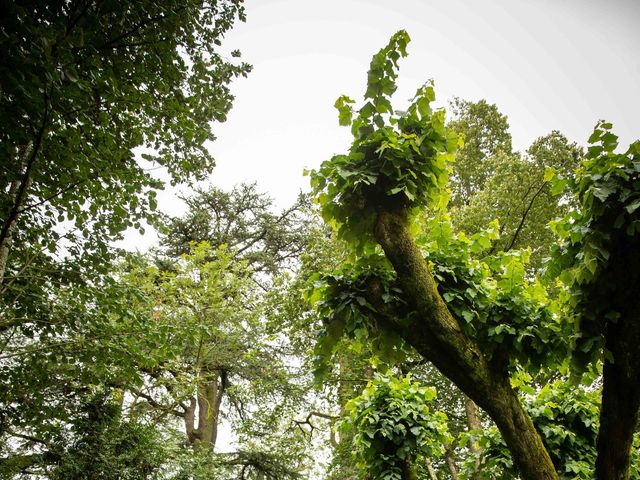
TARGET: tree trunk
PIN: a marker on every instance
(473, 422)
(211, 390)
(432, 472)
(190, 421)
(451, 463)
(17, 193)
(409, 471)
(438, 337)
(621, 371)
(618, 420)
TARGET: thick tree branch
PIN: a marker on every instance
(438, 337)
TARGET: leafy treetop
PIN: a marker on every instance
(400, 160)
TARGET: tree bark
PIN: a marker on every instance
(473, 422)
(621, 371)
(618, 420)
(451, 463)
(17, 193)
(432, 472)
(438, 337)
(211, 390)
(190, 420)
(408, 471)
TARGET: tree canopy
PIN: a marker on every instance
(446, 307)
(471, 311)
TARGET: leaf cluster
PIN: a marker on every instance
(567, 418)
(511, 317)
(392, 425)
(596, 239)
(396, 159)
(343, 299)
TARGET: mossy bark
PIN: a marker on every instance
(621, 371)
(473, 422)
(437, 336)
(409, 471)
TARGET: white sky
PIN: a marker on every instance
(547, 64)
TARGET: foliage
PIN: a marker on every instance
(508, 186)
(341, 300)
(89, 338)
(82, 85)
(108, 447)
(567, 418)
(401, 159)
(606, 222)
(393, 425)
(511, 317)
(486, 134)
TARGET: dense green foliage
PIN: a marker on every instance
(394, 427)
(607, 187)
(392, 158)
(256, 344)
(507, 314)
(85, 83)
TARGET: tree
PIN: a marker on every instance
(242, 219)
(516, 193)
(486, 134)
(213, 289)
(108, 446)
(598, 248)
(476, 317)
(48, 387)
(83, 84)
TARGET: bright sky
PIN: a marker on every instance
(547, 64)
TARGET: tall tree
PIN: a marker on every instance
(476, 318)
(221, 262)
(486, 133)
(517, 194)
(84, 83)
(244, 220)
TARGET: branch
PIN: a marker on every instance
(154, 403)
(524, 216)
(307, 421)
(29, 438)
(113, 43)
(13, 214)
(52, 196)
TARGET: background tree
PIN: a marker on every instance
(83, 83)
(516, 193)
(233, 362)
(486, 134)
(244, 221)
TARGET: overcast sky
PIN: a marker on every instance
(547, 64)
